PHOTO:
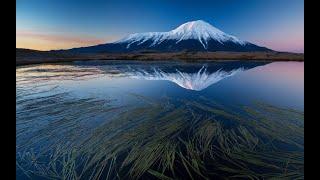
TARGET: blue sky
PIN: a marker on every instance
(54, 24)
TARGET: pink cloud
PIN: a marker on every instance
(60, 37)
(53, 40)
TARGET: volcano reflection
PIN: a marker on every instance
(192, 81)
(192, 77)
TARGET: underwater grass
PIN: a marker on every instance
(157, 139)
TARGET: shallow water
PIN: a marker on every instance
(208, 120)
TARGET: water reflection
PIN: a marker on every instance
(193, 81)
(64, 134)
(196, 76)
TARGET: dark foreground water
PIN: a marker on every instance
(160, 120)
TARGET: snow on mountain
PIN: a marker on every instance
(197, 30)
(195, 36)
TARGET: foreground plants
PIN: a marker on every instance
(60, 137)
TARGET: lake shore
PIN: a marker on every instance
(27, 56)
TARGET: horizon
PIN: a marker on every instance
(52, 25)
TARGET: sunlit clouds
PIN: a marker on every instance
(50, 40)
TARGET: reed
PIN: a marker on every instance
(161, 139)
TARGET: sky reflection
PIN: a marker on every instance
(278, 83)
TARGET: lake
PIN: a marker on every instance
(160, 120)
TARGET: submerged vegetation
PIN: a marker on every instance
(63, 136)
(167, 139)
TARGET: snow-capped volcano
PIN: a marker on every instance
(196, 30)
(191, 36)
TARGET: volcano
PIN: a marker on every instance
(194, 36)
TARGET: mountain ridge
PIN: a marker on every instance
(191, 36)
(198, 30)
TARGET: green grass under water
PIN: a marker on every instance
(157, 140)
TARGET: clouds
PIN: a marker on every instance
(53, 40)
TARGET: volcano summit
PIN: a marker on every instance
(191, 36)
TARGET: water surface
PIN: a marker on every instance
(208, 120)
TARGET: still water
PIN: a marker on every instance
(160, 120)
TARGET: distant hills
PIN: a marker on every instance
(27, 56)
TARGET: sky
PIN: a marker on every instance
(61, 24)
